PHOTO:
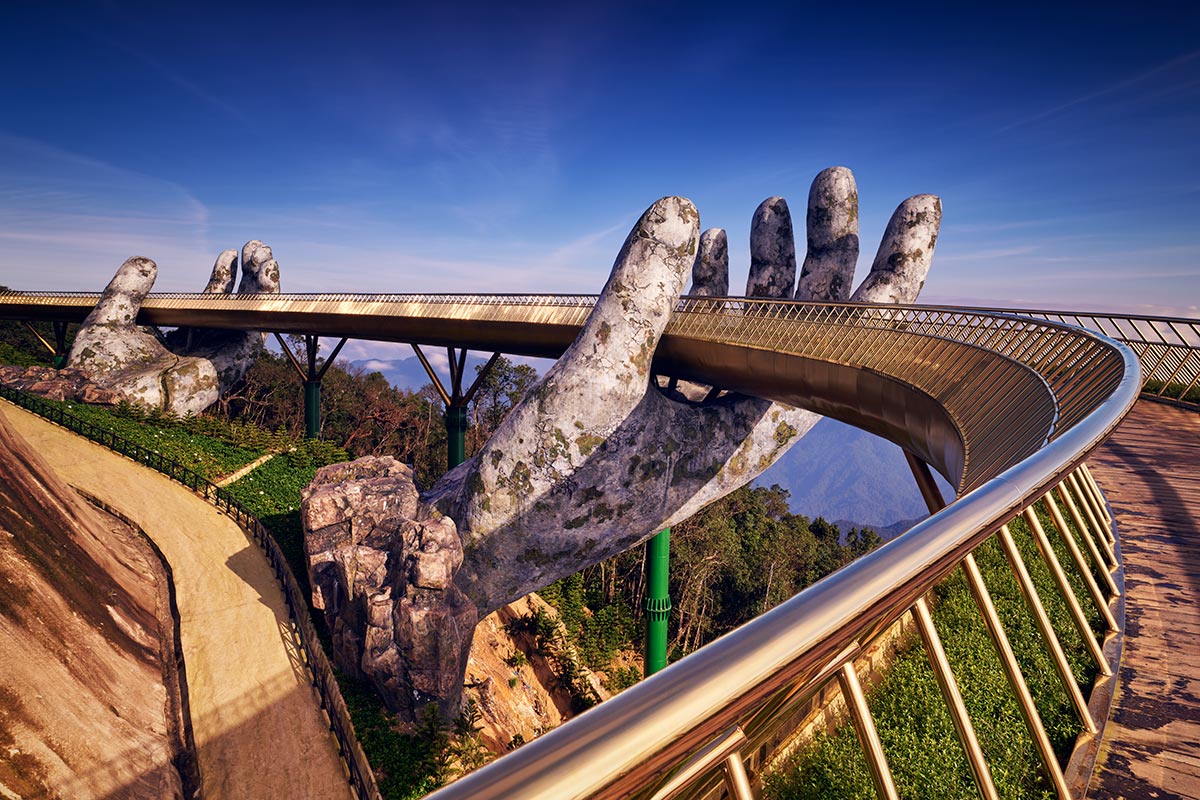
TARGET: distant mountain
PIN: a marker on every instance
(407, 373)
(842, 473)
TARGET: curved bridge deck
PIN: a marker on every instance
(1150, 471)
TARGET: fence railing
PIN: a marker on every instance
(361, 778)
(1005, 404)
(1167, 347)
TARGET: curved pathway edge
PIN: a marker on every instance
(258, 727)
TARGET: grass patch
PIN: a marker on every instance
(914, 725)
(182, 441)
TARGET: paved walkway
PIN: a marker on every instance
(259, 730)
(1150, 471)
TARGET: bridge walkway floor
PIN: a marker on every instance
(1150, 472)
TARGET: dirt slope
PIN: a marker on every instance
(89, 706)
(258, 729)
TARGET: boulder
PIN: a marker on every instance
(381, 568)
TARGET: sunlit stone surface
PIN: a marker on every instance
(593, 461)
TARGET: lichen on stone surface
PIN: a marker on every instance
(189, 374)
(537, 503)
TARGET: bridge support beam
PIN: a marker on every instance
(311, 375)
(455, 399)
(58, 350)
(658, 601)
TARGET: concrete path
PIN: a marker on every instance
(259, 730)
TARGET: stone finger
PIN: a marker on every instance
(828, 270)
(904, 255)
(567, 418)
(224, 272)
(772, 251)
(260, 271)
(710, 275)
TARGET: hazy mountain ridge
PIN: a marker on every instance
(842, 473)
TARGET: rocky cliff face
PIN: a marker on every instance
(381, 572)
(515, 685)
(89, 699)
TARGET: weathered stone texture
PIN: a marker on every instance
(832, 237)
(710, 275)
(596, 458)
(59, 384)
(904, 254)
(199, 364)
(381, 570)
(772, 250)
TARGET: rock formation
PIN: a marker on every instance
(381, 568)
(593, 461)
(189, 375)
(90, 700)
(59, 384)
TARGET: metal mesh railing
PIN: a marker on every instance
(320, 670)
(1167, 347)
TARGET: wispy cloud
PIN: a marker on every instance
(139, 52)
(68, 221)
(1111, 89)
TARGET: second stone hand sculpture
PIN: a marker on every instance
(188, 374)
(594, 460)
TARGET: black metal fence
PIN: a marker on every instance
(361, 777)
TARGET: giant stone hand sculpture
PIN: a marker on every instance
(199, 365)
(594, 460)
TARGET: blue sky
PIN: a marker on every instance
(509, 147)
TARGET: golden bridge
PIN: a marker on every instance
(1010, 407)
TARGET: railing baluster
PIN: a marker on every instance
(1064, 588)
(736, 779)
(1101, 530)
(1016, 680)
(1080, 564)
(868, 736)
(958, 710)
(1097, 495)
(1102, 566)
(1049, 636)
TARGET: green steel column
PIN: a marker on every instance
(312, 409)
(60, 345)
(658, 600)
(456, 435)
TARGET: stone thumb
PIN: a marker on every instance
(610, 359)
(122, 298)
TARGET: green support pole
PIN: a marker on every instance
(60, 345)
(658, 600)
(456, 435)
(312, 409)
